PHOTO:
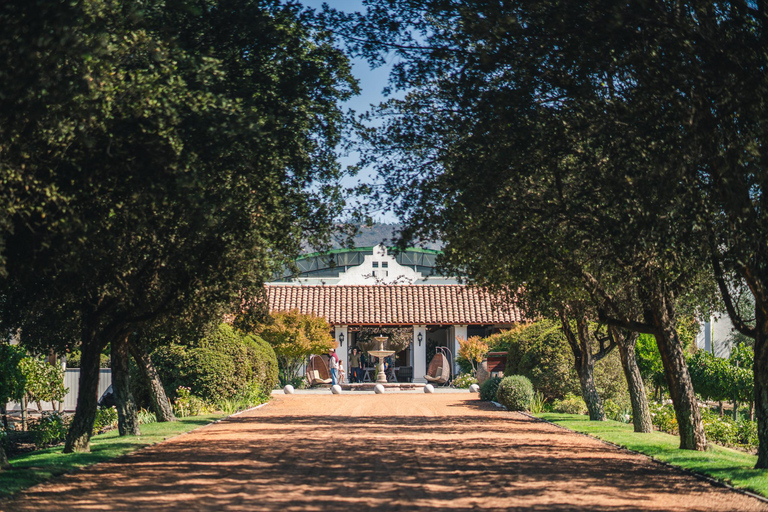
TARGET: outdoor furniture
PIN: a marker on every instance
(367, 371)
(317, 371)
(439, 370)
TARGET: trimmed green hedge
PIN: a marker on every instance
(515, 393)
(488, 389)
(263, 362)
(220, 366)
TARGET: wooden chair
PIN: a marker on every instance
(317, 371)
(439, 370)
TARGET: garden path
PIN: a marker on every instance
(403, 451)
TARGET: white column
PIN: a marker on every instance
(419, 353)
(459, 331)
(342, 347)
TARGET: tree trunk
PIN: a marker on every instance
(589, 391)
(160, 402)
(79, 434)
(641, 413)
(4, 464)
(735, 410)
(720, 408)
(585, 364)
(127, 412)
(751, 410)
(678, 379)
(24, 413)
(761, 382)
(4, 414)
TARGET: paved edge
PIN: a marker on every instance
(8, 497)
(701, 476)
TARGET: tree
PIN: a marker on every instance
(558, 133)
(203, 159)
(12, 382)
(43, 382)
(293, 337)
(472, 349)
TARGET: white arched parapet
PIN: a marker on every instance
(379, 268)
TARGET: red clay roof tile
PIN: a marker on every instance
(394, 304)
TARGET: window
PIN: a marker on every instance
(374, 273)
(384, 264)
(375, 264)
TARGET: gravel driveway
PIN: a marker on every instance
(397, 451)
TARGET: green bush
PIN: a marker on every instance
(464, 380)
(187, 404)
(263, 362)
(105, 417)
(214, 368)
(571, 404)
(49, 429)
(727, 432)
(146, 417)
(663, 417)
(618, 411)
(488, 389)
(540, 352)
(515, 393)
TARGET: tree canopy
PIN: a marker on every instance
(191, 150)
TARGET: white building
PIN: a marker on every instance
(370, 286)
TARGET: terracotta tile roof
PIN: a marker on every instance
(394, 304)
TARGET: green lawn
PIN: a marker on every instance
(724, 464)
(38, 466)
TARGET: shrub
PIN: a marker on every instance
(187, 404)
(263, 362)
(43, 382)
(105, 417)
(488, 389)
(618, 411)
(727, 432)
(571, 404)
(215, 367)
(464, 380)
(538, 404)
(146, 417)
(663, 417)
(540, 352)
(49, 429)
(515, 393)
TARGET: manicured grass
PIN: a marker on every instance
(724, 464)
(35, 467)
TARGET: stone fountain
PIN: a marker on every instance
(381, 376)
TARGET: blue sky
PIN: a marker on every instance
(372, 82)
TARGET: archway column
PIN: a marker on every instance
(419, 353)
(456, 332)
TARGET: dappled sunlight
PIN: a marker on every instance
(381, 452)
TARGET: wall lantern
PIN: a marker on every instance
(341, 339)
(420, 337)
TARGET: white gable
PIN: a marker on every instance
(379, 268)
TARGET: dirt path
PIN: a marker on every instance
(381, 452)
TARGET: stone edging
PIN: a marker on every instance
(700, 476)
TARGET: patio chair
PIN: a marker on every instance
(317, 371)
(439, 370)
